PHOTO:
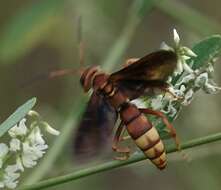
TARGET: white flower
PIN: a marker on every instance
(210, 68)
(182, 89)
(26, 147)
(3, 149)
(31, 153)
(171, 110)
(173, 93)
(2, 184)
(139, 103)
(164, 46)
(9, 181)
(182, 65)
(27, 161)
(19, 164)
(179, 68)
(157, 102)
(188, 52)
(169, 80)
(187, 68)
(211, 88)
(35, 136)
(50, 130)
(188, 97)
(3, 153)
(183, 53)
(28, 156)
(34, 149)
(176, 37)
(18, 130)
(201, 79)
(15, 144)
(206, 84)
(10, 176)
(39, 149)
(11, 169)
(186, 79)
(185, 57)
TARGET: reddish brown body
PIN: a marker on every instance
(138, 126)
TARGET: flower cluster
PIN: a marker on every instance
(26, 146)
(184, 83)
(187, 80)
(183, 53)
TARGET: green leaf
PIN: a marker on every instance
(27, 27)
(16, 116)
(207, 50)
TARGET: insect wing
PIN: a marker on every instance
(135, 88)
(156, 66)
(95, 129)
(149, 72)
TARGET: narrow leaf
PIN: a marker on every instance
(17, 116)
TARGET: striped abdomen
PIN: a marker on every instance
(144, 134)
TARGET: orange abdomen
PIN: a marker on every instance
(144, 134)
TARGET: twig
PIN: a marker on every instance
(116, 164)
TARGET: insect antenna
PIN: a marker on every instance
(62, 72)
(80, 42)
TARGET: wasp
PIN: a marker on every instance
(111, 100)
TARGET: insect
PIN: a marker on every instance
(111, 99)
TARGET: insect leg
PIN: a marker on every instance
(125, 138)
(171, 93)
(115, 145)
(166, 122)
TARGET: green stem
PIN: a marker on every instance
(116, 164)
(139, 8)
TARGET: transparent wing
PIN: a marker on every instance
(95, 129)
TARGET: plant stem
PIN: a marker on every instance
(116, 164)
(139, 9)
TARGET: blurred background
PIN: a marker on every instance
(40, 36)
